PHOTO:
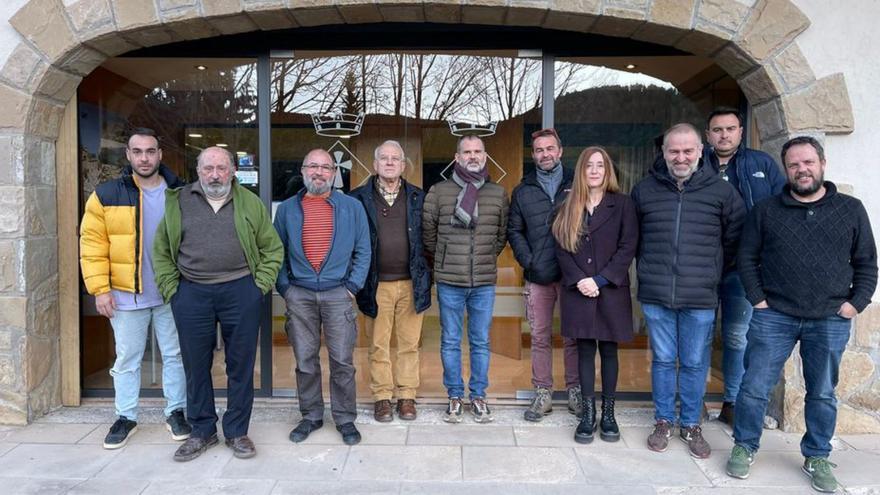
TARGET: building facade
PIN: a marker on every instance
(802, 66)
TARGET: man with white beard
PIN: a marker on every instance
(326, 259)
(216, 256)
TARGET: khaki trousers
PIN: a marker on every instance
(396, 314)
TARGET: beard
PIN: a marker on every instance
(807, 190)
(147, 175)
(316, 189)
(216, 189)
(473, 165)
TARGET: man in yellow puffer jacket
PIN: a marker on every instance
(121, 218)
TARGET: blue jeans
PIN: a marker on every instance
(772, 337)
(736, 311)
(680, 339)
(479, 302)
(130, 333)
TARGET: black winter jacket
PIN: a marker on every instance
(528, 227)
(418, 267)
(687, 236)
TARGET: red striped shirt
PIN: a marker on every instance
(317, 229)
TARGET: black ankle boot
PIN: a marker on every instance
(608, 430)
(587, 425)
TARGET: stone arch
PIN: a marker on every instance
(62, 41)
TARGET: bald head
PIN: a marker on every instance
(682, 149)
(318, 172)
(215, 168)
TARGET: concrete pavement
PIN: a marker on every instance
(62, 453)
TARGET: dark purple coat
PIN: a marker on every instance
(607, 249)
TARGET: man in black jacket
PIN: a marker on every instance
(398, 287)
(532, 206)
(809, 264)
(756, 176)
(690, 220)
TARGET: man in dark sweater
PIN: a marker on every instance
(808, 262)
(398, 286)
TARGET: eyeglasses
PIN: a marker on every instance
(312, 167)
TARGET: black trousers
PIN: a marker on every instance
(587, 366)
(197, 308)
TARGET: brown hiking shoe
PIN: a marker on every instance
(693, 437)
(406, 409)
(658, 440)
(382, 411)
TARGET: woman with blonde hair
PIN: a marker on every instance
(597, 232)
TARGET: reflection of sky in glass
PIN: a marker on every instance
(436, 87)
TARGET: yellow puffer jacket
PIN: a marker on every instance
(111, 244)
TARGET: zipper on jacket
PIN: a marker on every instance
(137, 240)
(675, 245)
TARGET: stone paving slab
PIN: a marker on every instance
(6, 447)
(637, 438)
(289, 462)
(525, 464)
(460, 435)
(129, 464)
(857, 468)
(337, 488)
(410, 462)
(746, 490)
(50, 433)
(771, 469)
(790, 442)
(55, 461)
(32, 486)
(108, 487)
(640, 467)
(146, 434)
(487, 488)
(205, 487)
(531, 436)
(862, 442)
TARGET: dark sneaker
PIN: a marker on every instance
(382, 411)
(350, 434)
(242, 447)
(480, 410)
(739, 463)
(726, 415)
(575, 401)
(453, 411)
(304, 429)
(178, 426)
(542, 405)
(406, 409)
(194, 447)
(658, 440)
(697, 445)
(819, 470)
(119, 433)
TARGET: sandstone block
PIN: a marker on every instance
(793, 68)
(269, 20)
(867, 327)
(45, 118)
(43, 23)
(58, 85)
(134, 13)
(581, 23)
(663, 35)
(621, 24)
(81, 61)
(852, 421)
(402, 13)
(673, 13)
(823, 105)
(233, 24)
(761, 85)
(482, 14)
(360, 14)
(8, 372)
(41, 264)
(20, 67)
(725, 14)
(317, 16)
(856, 371)
(90, 18)
(772, 25)
(793, 410)
(702, 41)
(13, 311)
(12, 212)
(151, 36)
(769, 118)
(524, 14)
(42, 213)
(9, 267)
(253, 5)
(191, 28)
(46, 396)
(39, 358)
(867, 399)
(12, 157)
(443, 13)
(5, 339)
(221, 7)
(39, 166)
(13, 407)
(734, 61)
(111, 44)
(578, 6)
(15, 105)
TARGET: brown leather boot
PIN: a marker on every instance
(406, 409)
(382, 411)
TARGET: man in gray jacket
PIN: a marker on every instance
(464, 223)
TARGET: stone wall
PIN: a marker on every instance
(59, 41)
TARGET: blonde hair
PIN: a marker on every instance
(568, 225)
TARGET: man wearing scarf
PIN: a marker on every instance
(464, 224)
